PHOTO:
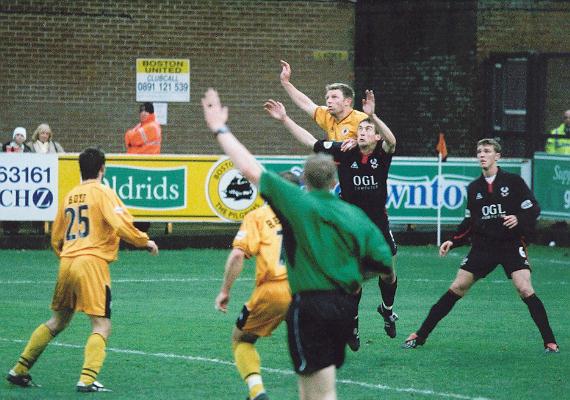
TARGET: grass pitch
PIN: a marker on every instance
(168, 342)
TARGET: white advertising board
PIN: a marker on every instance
(28, 186)
(163, 80)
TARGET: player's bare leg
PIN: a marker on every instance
(319, 385)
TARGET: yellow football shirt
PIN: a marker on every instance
(339, 130)
(91, 221)
(260, 235)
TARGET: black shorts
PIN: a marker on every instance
(481, 261)
(319, 324)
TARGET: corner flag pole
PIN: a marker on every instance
(441, 157)
(439, 197)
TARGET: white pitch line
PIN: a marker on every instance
(458, 254)
(552, 261)
(425, 392)
(183, 280)
(157, 280)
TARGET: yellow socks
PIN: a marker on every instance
(94, 357)
(36, 345)
(248, 364)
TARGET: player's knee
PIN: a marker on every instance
(525, 291)
(459, 289)
(56, 325)
(248, 338)
(107, 331)
(101, 326)
(239, 335)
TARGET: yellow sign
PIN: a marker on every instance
(333, 55)
(162, 66)
(172, 188)
(163, 80)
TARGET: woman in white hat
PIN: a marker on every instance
(17, 145)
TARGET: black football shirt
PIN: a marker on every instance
(362, 177)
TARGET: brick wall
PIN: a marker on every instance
(72, 64)
(419, 57)
(522, 26)
(534, 27)
(425, 61)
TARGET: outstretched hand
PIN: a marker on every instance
(510, 221)
(369, 103)
(215, 114)
(285, 72)
(222, 301)
(275, 109)
(445, 247)
(348, 144)
(152, 247)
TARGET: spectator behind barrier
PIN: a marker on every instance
(558, 141)
(42, 141)
(16, 145)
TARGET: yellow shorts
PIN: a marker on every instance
(266, 308)
(83, 284)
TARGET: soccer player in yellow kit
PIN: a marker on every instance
(337, 118)
(86, 232)
(259, 235)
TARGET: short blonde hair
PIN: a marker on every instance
(42, 128)
(346, 90)
(320, 171)
(490, 142)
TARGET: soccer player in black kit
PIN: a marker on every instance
(501, 212)
(363, 171)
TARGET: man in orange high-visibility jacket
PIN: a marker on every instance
(146, 136)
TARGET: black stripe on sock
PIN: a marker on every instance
(102, 337)
(89, 375)
(50, 332)
(90, 370)
(253, 373)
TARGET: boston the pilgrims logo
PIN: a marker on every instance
(230, 194)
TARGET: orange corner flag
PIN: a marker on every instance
(442, 147)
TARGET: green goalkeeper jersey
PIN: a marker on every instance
(329, 243)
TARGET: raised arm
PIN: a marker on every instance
(388, 138)
(298, 97)
(278, 112)
(216, 117)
